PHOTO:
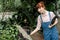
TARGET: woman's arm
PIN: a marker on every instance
(38, 26)
(56, 20)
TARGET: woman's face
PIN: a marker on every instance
(41, 10)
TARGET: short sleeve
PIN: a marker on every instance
(38, 23)
(52, 15)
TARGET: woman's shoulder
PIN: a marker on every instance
(39, 16)
(51, 13)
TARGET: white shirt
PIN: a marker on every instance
(45, 19)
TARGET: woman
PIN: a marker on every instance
(50, 32)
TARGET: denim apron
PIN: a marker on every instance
(49, 33)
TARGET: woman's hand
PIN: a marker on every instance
(36, 29)
(31, 34)
(50, 26)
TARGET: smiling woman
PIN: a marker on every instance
(50, 32)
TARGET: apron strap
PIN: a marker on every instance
(49, 16)
(41, 18)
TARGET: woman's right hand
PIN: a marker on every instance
(34, 31)
(31, 33)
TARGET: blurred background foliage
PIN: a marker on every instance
(26, 15)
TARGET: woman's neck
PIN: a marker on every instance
(44, 13)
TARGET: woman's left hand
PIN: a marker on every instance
(50, 26)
